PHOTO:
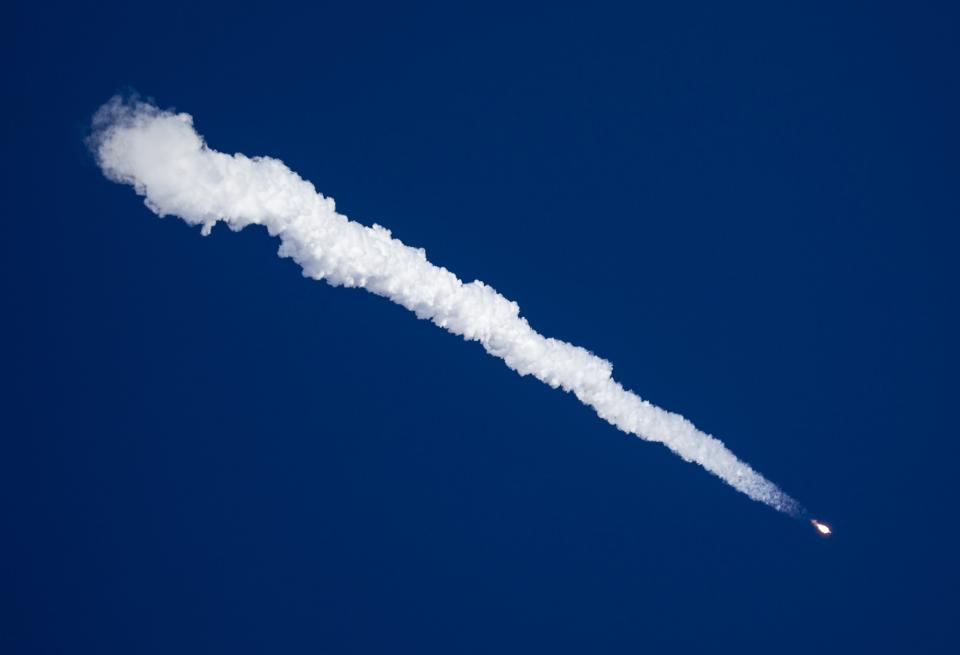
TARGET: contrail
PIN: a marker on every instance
(170, 165)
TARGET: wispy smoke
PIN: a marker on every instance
(167, 162)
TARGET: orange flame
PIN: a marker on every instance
(822, 528)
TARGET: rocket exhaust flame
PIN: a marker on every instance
(822, 528)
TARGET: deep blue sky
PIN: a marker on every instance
(751, 211)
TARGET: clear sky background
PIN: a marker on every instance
(751, 212)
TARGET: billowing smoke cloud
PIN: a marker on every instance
(167, 162)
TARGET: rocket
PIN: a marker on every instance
(822, 528)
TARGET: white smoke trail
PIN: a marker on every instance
(167, 162)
